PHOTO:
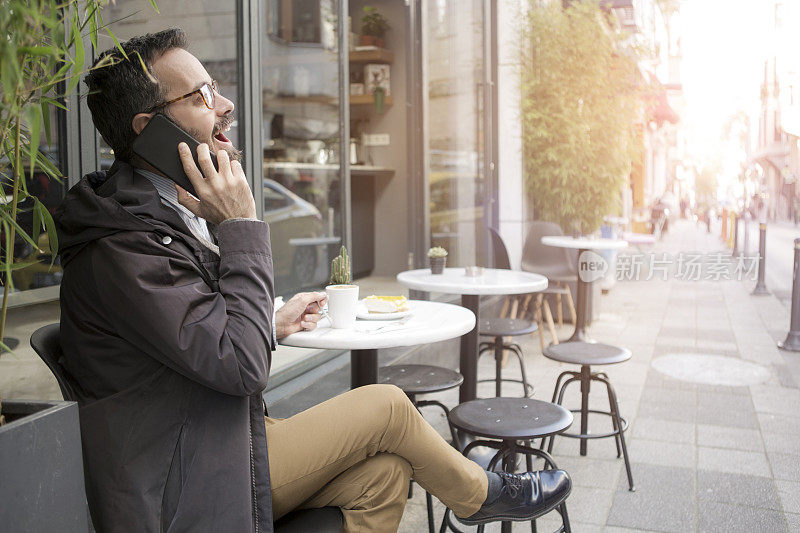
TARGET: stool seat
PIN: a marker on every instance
(510, 418)
(419, 379)
(505, 327)
(587, 353)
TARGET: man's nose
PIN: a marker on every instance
(223, 106)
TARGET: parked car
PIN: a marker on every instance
(291, 218)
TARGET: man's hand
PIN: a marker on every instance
(301, 312)
(223, 193)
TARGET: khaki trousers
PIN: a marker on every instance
(358, 451)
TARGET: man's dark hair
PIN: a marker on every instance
(120, 91)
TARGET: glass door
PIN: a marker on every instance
(303, 200)
(454, 58)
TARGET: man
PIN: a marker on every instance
(167, 328)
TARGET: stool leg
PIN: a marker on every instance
(586, 380)
(615, 413)
(429, 502)
(560, 399)
(550, 326)
(526, 304)
(443, 407)
(562, 510)
(540, 321)
(506, 304)
(498, 366)
(613, 418)
(526, 388)
(557, 388)
(560, 310)
(509, 464)
(571, 305)
(549, 463)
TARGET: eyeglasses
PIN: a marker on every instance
(207, 91)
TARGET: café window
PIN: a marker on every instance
(300, 127)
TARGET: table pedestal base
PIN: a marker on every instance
(469, 352)
(363, 367)
(582, 308)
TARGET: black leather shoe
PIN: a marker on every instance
(524, 497)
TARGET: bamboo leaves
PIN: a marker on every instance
(42, 60)
(578, 108)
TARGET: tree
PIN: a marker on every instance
(580, 101)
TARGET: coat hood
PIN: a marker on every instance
(106, 202)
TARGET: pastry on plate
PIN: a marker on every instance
(386, 304)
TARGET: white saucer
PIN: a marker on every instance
(363, 314)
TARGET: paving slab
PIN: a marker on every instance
(664, 430)
(729, 437)
(789, 492)
(784, 466)
(738, 489)
(733, 461)
(663, 501)
(714, 517)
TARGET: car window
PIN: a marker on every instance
(274, 200)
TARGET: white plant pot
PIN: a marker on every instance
(342, 305)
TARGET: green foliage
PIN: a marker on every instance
(340, 268)
(42, 59)
(373, 23)
(580, 103)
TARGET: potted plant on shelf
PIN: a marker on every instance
(43, 59)
(373, 27)
(342, 294)
(438, 258)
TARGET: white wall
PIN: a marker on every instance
(510, 175)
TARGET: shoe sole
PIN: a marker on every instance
(467, 522)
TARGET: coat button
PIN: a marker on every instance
(166, 239)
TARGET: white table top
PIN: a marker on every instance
(583, 243)
(455, 281)
(428, 322)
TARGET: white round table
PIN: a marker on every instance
(582, 244)
(428, 322)
(455, 281)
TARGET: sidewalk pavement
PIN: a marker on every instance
(706, 456)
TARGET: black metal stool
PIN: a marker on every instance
(510, 420)
(423, 379)
(499, 328)
(587, 354)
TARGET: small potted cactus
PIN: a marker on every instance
(342, 294)
(438, 258)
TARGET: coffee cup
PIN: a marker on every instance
(342, 305)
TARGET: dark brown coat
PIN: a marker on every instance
(170, 344)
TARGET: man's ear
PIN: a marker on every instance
(140, 121)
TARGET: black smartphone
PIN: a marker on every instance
(158, 145)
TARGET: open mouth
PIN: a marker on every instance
(220, 136)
